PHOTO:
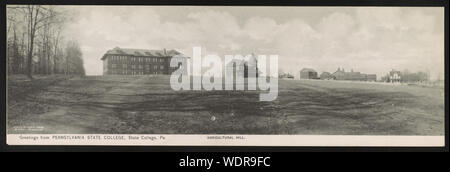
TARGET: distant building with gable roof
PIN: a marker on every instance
(308, 73)
(340, 74)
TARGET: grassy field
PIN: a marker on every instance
(147, 105)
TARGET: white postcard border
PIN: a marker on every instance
(224, 140)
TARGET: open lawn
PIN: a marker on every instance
(147, 105)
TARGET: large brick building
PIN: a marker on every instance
(124, 61)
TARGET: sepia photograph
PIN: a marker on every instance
(224, 75)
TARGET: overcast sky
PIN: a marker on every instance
(366, 39)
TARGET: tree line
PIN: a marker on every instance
(409, 77)
(36, 43)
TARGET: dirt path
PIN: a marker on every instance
(61, 107)
(146, 104)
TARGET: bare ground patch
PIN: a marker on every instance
(147, 105)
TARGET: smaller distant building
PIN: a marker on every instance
(395, 76)
(341, 74)
(371, 77)
(308, 73)
(286, 75)
(246, 68)
(327, 76)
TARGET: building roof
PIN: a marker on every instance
(141, 52)
(307, 70)
(352, 73)
(339, 72)
(325, 73)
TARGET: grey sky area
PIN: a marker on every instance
(365, 39)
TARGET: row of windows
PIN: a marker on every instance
(139, 66)
(137, 59)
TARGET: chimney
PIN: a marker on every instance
(165, 52)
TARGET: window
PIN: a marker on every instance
(162, 67)
(140, 66)
(124, 66)
(113, 65)
(133, 66)
(147, 67)
(161, 60)
(155, 67)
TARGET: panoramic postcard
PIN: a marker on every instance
(225, 75)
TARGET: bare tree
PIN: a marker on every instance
(33, 20)
(35, 42)
(74, 59)
(56, 41)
